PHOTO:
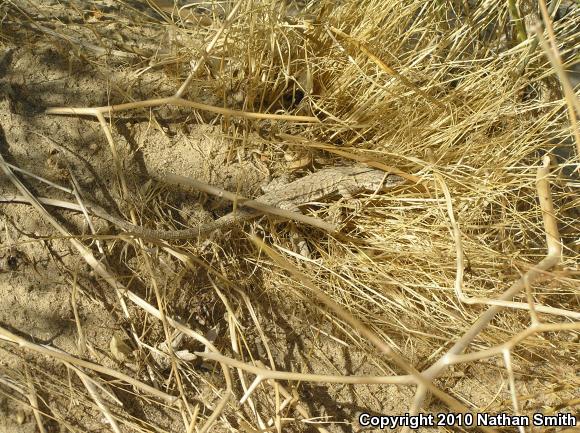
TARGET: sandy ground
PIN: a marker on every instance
(38, 270)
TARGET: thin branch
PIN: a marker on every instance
(556, 60)
(552, 258)
(201, 62)
(420, 379)
(458, 286)
(512, 342)
(239, 200)
(121, 291)
(108, 110)
(64, 357)
(266, 374)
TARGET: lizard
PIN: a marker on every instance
(345, 181)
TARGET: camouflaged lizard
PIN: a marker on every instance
(344, 181)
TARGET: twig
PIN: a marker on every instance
(108, 110)
(518, 21)
(32, 400)
(458, 286)
(239, 200)
(387, 69)
(81, 341)
(554, 56)
(53, 353)
(87, 382)
(201, 62)
(299, 141)
(552, 258)
(267, 374)
(512, 342)
(121, 291)
(423, 381)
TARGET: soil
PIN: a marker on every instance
(40, 271)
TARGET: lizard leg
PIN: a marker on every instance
(299, 243)
(303, 247)
(347, 195)
(288, 205)
(346, 192)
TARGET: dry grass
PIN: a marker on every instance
(471, 268)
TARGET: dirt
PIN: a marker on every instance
(40, 271)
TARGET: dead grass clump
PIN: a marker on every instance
(460, 284)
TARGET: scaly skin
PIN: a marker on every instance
(345, 181)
